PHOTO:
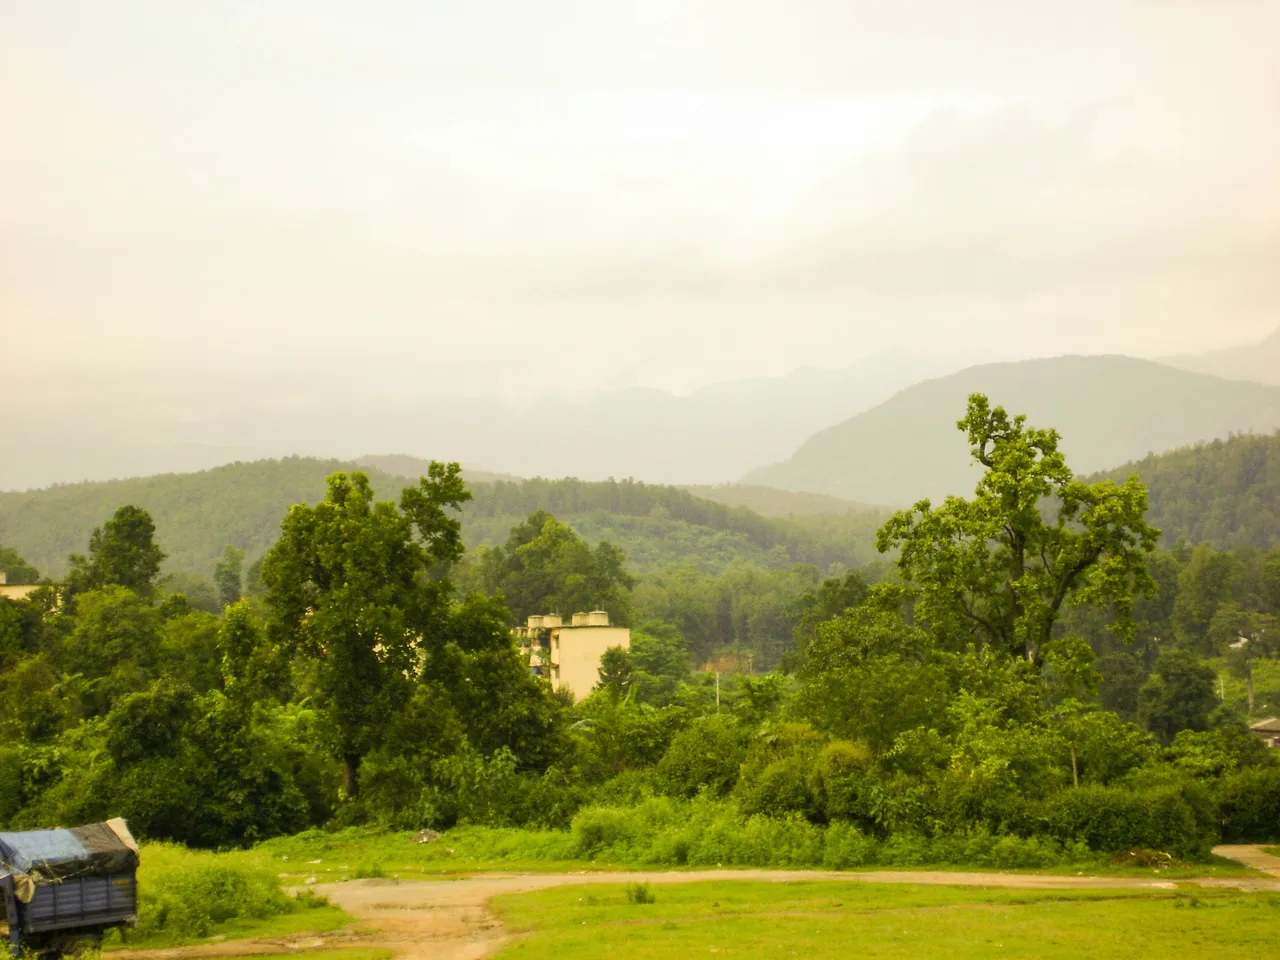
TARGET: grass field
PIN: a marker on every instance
(350, 854)
(188, 895)
(837, 920)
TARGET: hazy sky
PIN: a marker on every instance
(569, 196)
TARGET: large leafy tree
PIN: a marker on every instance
(545, 567)
(122, 552)
(349, 583)
(1177, 696)
(15, 569)
(996, 571)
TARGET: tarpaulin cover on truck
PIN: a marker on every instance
(47, 856)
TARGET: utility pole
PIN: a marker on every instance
(717, 690)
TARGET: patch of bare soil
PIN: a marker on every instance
(451, 919)
(1251, 855)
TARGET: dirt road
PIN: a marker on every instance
(451, 919)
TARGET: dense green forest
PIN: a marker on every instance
(241, 504)
(1024, 686)
(776, 502)
(1226, 493)
(1109, 410)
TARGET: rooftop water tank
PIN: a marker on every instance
(597, 618)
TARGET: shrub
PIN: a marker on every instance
(191, 901)
(640, 893)
(704, 756)
(1249, 806)
(1179, 820)
(842, 782)
(845, 846)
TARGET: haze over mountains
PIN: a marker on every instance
(1260, 362)
(781, 432)
(712, 435)
(1109, 410)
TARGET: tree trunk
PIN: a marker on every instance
(1075, 766)
(351, 773)
(1249, 686)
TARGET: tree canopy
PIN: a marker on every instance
(995, 571)
(545, 567)
(348, 583)
(122, 552)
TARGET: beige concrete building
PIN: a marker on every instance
(15, 591)
(568, 654)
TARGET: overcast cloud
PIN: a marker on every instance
(554, 196)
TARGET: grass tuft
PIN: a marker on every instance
(640, 893)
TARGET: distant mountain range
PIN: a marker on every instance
(1109, 410)
(1260, 363)
(709, 436)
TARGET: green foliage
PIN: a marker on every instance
(1179, 820)
(186, 897)
(640, 893)
(345, 584)
(703, 757)
(197, 514)
(1178, 696)
(122, 552)
(229, 575)
(868, 676)
(15, 569)
(993, 570)
(1225, 493)
(545, 567)
(353, 685)
(1249, 805)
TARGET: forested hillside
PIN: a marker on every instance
(241, 504)
(1031, 688)
(1226, 493)
(1109, 410)
(776, 502)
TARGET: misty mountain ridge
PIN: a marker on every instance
(1258, 362)
(711, 435)
(1108, 409)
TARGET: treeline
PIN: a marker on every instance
(1225, 493)
(968, 707)
(820, 544)
(241, 504)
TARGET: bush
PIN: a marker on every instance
(1249, 806)
(842, 781)
(706, 756)
(640, 893)
(190, 901)
(1176, 819)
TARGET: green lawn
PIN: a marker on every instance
(348, 854)
(838, 920)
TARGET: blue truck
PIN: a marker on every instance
(63, 887)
